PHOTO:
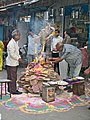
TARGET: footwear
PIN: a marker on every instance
(7, 92)
(88, 106)
(17, 92)
(67, 88)
(70, 90)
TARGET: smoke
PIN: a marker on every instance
(39, 23)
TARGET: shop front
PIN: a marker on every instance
(75, 18)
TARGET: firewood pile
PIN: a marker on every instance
(35, 75)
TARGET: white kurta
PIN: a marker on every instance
(13, 53)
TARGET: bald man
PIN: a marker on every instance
(72, 55)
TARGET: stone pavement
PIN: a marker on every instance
(77, 113)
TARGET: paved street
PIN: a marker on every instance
(77, 113)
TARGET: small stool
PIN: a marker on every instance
(79, 88)
(5, 81)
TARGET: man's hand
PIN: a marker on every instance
(54, 49)
(20, 60)
(55, 60)
(87, 71)
(50, 59)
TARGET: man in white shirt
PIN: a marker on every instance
(12, 61)
(34, 46)
(57, 38)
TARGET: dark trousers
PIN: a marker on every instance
(12, 75)
(56, 65)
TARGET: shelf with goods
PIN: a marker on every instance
(80, 30)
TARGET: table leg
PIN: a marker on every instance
(1, 90)
(5, 88)
(9, 89)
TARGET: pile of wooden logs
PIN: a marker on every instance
(35, 75)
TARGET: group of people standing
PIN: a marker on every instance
(71, 56)
(63, 55)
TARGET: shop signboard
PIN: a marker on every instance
(80, 8)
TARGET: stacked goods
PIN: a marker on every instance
(35, 75)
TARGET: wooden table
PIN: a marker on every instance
(5, 81)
